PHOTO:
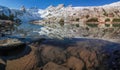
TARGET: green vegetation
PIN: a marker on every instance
(92, 20)
(17, 20)
(116, 20)
(87, 16)
(107, 25)
(107, 20)
(77, 19)
(116, 25)
(92, 25)
(11, 17)
(61, 22)
(87, 28)
(105, 14)
(4, 17)
(77, 25)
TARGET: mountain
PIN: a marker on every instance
(5, 10)
(68, 13)
(27, 15)
(114, 4)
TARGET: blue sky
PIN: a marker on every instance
(45, 3)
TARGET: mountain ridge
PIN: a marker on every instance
(32, 14)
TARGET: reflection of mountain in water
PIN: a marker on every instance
(27, 30)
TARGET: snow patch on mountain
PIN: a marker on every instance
(29, 14)
(62, 11)
(52, 11)
(4, 10)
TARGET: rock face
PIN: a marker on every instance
(19, 15)
(78, 54)
(69, 14)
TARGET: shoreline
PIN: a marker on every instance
(110, 40)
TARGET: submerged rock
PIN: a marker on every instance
(79, 54)
(75, 63)
(50, 53)
(54, 66)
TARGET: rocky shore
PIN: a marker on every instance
(67, 54)
(78, 54)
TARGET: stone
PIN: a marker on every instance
(54, 66)
(75, 63)
(50, 53)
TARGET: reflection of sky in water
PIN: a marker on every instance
(27, 30)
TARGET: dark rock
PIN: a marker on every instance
(2, 65)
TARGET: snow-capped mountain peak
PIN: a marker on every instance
(58, 11)
(113, 4)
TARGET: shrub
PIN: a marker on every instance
(61, 22)
(77, 19)
(17, 22)
(116, 20)
(4, 17)
(105, 14)
(87, 28)
(92, 20)
(107, 20)
(92, 25)
(87, 16)
(107, 25)
(77, 25)
(11, 17)
(116, 25)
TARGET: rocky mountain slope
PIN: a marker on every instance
(75, 17)
(23, 15)
(70, 13)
